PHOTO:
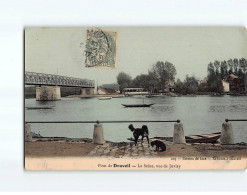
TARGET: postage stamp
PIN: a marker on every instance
(101, 48)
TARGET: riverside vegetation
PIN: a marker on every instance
(162, 76)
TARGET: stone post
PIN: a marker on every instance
(98, 134)
(28, 135)
(226, 136)
(178, 134)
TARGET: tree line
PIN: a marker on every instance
(162, 73)
(234, 66)
(157, 78)
(218, 70)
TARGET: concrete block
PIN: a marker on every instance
(98, 137)
(226, 136)
(178, 134)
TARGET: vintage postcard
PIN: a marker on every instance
(135, 98)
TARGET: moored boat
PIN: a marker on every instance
(156, 95)
(204, 138)
(137, 105)
(104, 98)
(38, 107)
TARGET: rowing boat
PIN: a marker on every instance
(39, 107)
(104, 98)
(137, 105)
(204, 138)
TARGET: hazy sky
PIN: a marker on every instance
(62, 50)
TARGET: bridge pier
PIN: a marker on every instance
(87, 91)
(48, 93)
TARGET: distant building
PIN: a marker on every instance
(103, 91)
(169, 87)
(233, 83)
(226, 86)
(134, 91)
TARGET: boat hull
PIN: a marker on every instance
(136, 105)
(104, 98)
(205, 138)
(38, 108)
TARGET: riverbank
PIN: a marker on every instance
(68, 147)
(68, 92)
(97, 95)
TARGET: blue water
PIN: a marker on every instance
(199, 115)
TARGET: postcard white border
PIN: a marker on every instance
(16, 15)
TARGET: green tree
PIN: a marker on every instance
(243, 64)
(211, 68)
(153, 81)
(142, 81)
(171, 71)
(217, 65)
(179, 87)
(164, 72)
(223, 68)
(214, 78)
(211, 73)
(190, 85)
(235, 65)
(147, 81)
(124, 80)
(230, 65)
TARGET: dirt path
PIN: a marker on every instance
(49, 148)
(85, 148)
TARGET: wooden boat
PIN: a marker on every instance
(122, 96)
(137, 105)
(205, 138)
(39, 107)
(155, 95)
(104, 98)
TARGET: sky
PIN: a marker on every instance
(62, 50)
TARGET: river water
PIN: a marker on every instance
(199, 115)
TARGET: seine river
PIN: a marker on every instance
(199, 115)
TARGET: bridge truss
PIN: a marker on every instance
(33, 78)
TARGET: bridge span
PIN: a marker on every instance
(48, 85)
(33, 78)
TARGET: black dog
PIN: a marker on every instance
(159, 145)
(139, 132)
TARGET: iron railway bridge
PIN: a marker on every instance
(33, 78)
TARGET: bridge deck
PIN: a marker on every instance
(33, 78)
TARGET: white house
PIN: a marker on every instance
(226, 86)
